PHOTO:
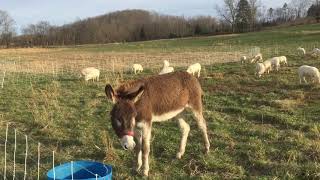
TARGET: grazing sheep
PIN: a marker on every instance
(90, 73)
(267, 65)
(257, 58)
(309, 71)
(316, 51)
(243, 59)
(137, 68)
(166, 68)
(260, 69)
(283, 60)
(301, 51)
(275, 61)
(194, 68)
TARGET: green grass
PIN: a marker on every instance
(280, 38)
(263, 128)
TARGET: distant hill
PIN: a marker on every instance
(129, 26)
(120, 26)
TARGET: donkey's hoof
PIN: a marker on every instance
(137, 169)
(145, 172)
(207, 149)
(179, 155)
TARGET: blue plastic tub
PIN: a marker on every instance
(81, 170)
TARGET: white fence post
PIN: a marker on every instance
(54, 170)
(72, 170)
(25, 159)
(14, 154)
(38, 161)
(5, 154)
(4, 74)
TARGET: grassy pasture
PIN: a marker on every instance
(265, 128)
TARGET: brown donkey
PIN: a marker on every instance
(139, 103)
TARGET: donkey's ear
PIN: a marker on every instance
(110, 93)
(138, 94)
(133, 93)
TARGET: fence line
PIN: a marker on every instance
(28, 157)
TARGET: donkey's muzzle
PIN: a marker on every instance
(127, 142)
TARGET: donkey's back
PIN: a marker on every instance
(167, 92)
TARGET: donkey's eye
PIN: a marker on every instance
(118, 123)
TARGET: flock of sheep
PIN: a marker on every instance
(274, 63)
(192, 69)
(262, 67)
(93, 74)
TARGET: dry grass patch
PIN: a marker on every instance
(55, 61)
(287, 104)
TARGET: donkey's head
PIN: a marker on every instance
(123, 113)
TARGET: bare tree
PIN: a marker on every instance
(270, 14)
(300, 7)
(228, 12)
(39, 32)
(7, 29)
(254, 7)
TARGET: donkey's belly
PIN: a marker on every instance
(166, 116)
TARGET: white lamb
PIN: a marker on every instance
(260, 69)
(283, 60)
(194, 68)
(316, 51)
(166, 68)
(137, 68)
(275, 61)
(310, 72)
(301, 51)
(257, 58)
(267, 65)
(90, 73)
(243, 59)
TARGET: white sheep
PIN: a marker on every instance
(137, 68)
(309, 71)
(166, 68)
(260, 69)
(243, 59)
(267, 65)
(301, 51)
(257, 58)
(316, 51)
(90, 73)
(283, 60)
(194, 68)
(275, 61)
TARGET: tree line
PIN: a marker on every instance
(251, 15)
(120, 26)
(139, 25)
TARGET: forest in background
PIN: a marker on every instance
(234, 16)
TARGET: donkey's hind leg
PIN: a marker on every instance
(185, 128)
(201, 122)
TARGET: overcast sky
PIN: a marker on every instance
(59, 12)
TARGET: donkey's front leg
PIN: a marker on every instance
(185, 128)
(138, 136)
(146, 136)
